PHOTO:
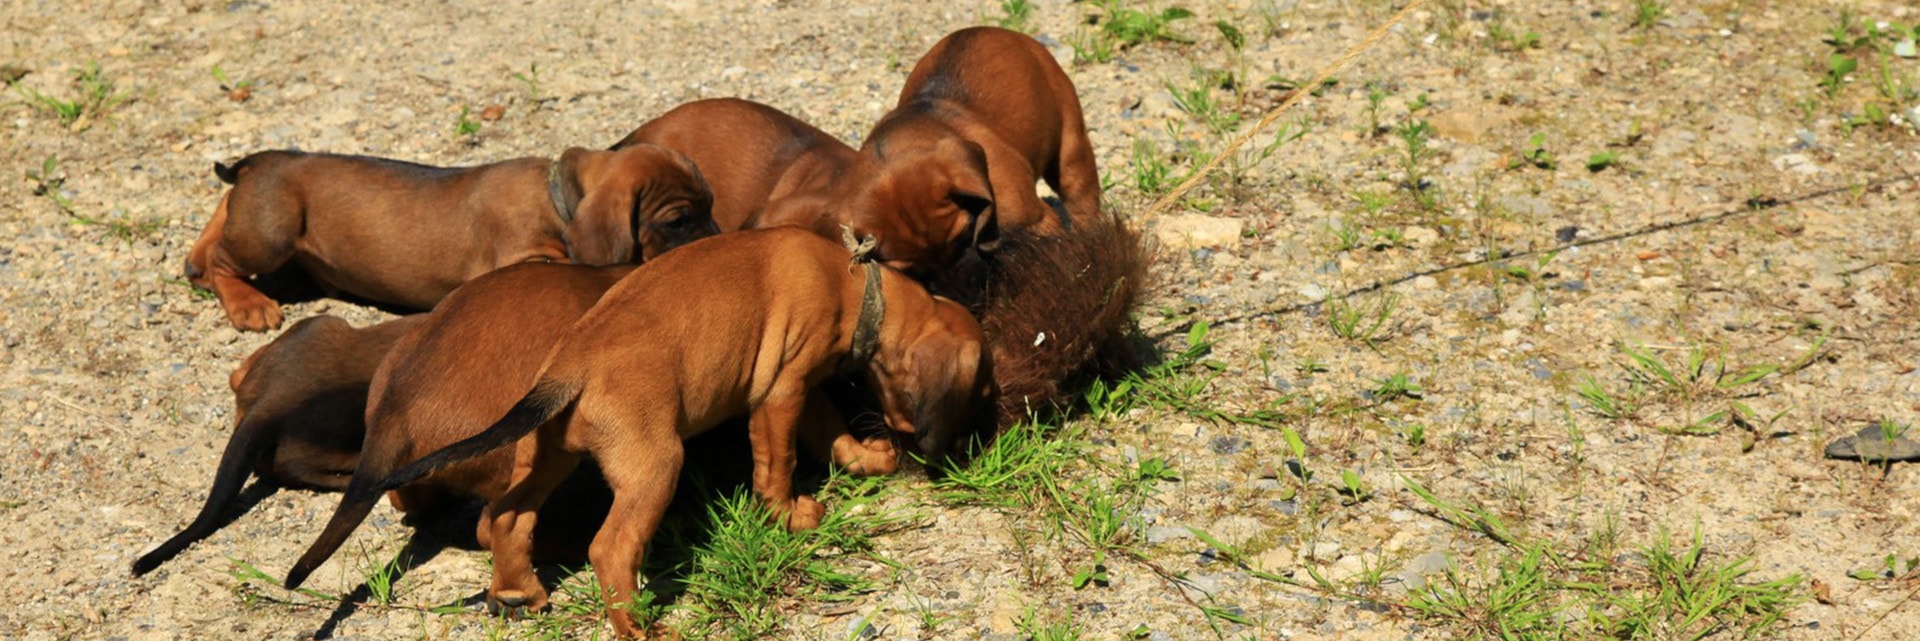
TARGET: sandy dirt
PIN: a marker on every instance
(114, 406)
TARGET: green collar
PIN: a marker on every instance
(562, 205)
(866, 329)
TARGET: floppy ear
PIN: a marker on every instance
(946, 411)
(972, 191)
(601, 232)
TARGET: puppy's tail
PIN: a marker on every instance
(546, 401)
(355, 504)
(228, 173)
(374, 477)
(250, 438)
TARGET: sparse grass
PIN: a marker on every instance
(1416, 148)
(735, 579)
(95, 94)
(1366, 321)
(1014, 14)
(1152, 173)
(1119, 28)
(1535, 153)
(379, 577)
(1647, 13)
(1699, 380)
(1034, 628)
(465, 128)
(531, 82)
(50, 182)
(1601, 161)
(1197, 99)
(1509, 40)
(237, 90)
(1547, 589)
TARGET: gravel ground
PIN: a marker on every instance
(112, 376)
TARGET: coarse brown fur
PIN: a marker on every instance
(1058, 312)
(404, 234)
(298, 403)
(650, 365)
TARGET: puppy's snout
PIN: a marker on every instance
(190, 270)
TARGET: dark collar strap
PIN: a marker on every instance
(866, 330)
(558, 192)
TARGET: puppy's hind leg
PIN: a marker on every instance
(256, 230)
(540, 465)
(1075, 175)
(642, 474)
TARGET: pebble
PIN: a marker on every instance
(1189, 231)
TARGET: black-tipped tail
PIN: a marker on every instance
(236, 463)
(536, 408)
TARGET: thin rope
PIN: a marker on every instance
(1299, 94)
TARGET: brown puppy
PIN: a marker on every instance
(771, 169)
(767, 168)
(985, 100)
(405, 234)
(778, 311)
(297, 412)
(467, 363)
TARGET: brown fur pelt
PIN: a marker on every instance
(1058, 311)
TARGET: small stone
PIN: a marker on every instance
(1227, 444)
(493, 113)
(1796, 163)
(1420, 236)
(1274, 560)
(1654, 283)
(1193, 231)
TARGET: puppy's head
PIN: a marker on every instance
(642, 195)
(927, 206)
(936, 380)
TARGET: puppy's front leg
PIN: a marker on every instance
(825, 432)
(773, 430)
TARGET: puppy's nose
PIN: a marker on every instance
(189, 269)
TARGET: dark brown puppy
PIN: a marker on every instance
(406, 234)
(983, 100)
(766, 168)
(778, 311)
(466, 364)
(298, 403)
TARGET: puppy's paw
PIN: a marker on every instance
(255, 315)
(516, 603)
(805, 514)
(873, 457)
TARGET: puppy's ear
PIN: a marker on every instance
(602, 231)
(972, 190)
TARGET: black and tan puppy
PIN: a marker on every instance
(298, 406)
(776, 312)
(405, 234)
